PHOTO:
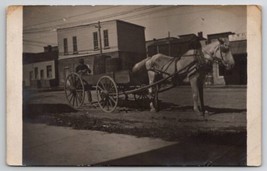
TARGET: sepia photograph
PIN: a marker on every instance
(135, 85)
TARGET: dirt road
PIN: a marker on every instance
(227, 107)
(225, 125)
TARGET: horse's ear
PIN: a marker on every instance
(221, 41)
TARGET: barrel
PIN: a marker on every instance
(112, 64)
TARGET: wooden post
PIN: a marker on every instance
(100, 41)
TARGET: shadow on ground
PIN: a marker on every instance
(150, 126)
(165, 106)
(201, 150)
(46, 109)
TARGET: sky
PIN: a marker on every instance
(41, 22)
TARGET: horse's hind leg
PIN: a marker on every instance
(201, 95)
(195, 93)
(151, 77)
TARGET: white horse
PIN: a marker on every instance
(191, 67)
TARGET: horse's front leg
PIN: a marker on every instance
(201, 95)
(195, 93)
(151, 78)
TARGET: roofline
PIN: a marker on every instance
(159, 39)
(37, 53)
(129, 23)
(29, 56)
(216, 34)
(190, 34)
(89, 24)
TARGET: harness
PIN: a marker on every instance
(168, 64)
(199, 63)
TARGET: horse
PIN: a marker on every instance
(191, 67)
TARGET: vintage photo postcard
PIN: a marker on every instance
(151, 85)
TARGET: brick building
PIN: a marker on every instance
(175, 46)
(119, 43)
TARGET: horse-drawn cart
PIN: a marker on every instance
(111, 86)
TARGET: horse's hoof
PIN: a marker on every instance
(207, 113)
(198, 113)
(153, 110)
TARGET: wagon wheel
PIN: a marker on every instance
(107, 94)
(141, 96)
(74, 90)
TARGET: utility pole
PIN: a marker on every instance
(100, 40)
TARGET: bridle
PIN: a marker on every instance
(222, 49)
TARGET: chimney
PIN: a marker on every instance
(48, 48)
(200, 34)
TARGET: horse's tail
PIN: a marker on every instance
(140, 65)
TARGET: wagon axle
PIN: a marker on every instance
(104, 93)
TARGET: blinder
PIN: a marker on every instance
(224, 48)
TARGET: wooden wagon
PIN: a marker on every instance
(109, 88)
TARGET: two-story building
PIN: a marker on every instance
(98, 44)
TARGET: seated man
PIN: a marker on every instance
(83, 70)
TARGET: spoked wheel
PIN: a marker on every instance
(107, 94)
(141, 96)
(142, 99)
(74, 90)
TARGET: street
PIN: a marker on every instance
(56, 134)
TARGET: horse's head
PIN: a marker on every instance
(223, 55)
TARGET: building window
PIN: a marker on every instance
(31, 75)
(106, 43)
(49, 71)
(36, 73)
(75, 48)
(42, 74)
(95, 40)
(65, 46)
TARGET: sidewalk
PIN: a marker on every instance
(46, 145)
(50, 145)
